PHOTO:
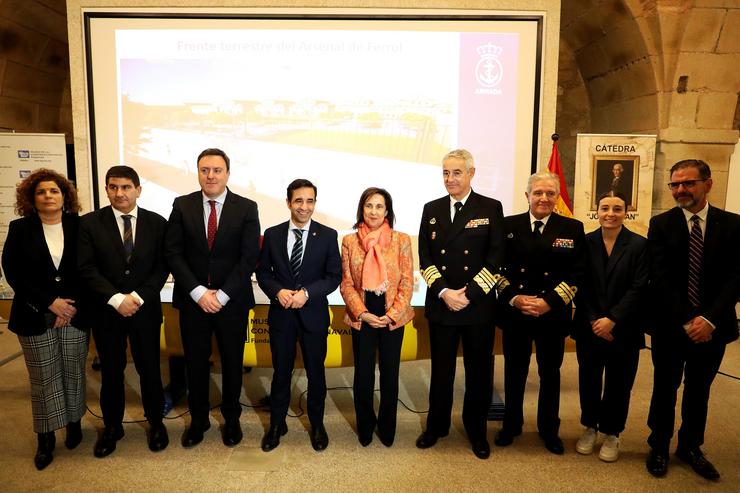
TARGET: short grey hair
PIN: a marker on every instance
(462, 154)
(543, 176)
(618, 165)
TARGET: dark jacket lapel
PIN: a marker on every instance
(111, 229)
(467, 213)
(620, 246)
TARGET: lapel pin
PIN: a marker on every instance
(510, 235)
(314, 233)
(433, 220)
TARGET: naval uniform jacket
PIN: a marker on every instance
(465, 253)
(551, 267)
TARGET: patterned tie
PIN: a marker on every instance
(297, 254)
(536, 231)
(212, 224)
(128, 237)
(696, 248)
(458, 207)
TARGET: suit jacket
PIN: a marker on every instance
(30, 271)
(466, 253)
(551, 267)
(615, 286)
(105, 271)
(228, 266)
(320, 273)
(668, 243)
(399, 261)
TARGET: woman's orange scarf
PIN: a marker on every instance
(374, 271)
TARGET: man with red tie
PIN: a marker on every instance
(695, 283)
(212, 245)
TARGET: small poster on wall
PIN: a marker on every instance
(618, 163)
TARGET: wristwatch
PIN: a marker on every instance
(305, 291)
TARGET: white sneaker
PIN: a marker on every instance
(585, 444)
(610, 449)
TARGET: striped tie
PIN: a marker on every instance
(696, 248)
(128, 237)
(297, 254)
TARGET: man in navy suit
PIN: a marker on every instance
(121, 260)
(212, 245)
(299, 267)
(695, 283)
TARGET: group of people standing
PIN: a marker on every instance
(536, 275)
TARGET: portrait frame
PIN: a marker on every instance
(607, 176)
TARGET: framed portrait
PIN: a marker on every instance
(618, 174)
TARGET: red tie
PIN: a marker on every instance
(212, 225)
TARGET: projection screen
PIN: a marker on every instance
(346, 100)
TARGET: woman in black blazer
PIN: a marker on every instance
(609, 332)
(40, 264)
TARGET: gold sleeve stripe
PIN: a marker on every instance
(430, 274)
(485, 280)
(501, 283)
(567, 293)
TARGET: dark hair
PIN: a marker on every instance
(612, 193)
(25, 191)
(123, 171)
(212, 151)
(388, 205)
(300, 183)
(704, 172)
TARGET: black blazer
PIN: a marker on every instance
(320, 274)
(105, 272)
(467, 252)
(615, 286)
(668, 243)
(37, 283)
(228, 266)
(552, 267)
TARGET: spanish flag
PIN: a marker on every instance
(563, 206)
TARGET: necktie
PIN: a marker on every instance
(128, 237)
(212, 224)
(536, 231)
(696, 249)
(458, 207)
(297, 254)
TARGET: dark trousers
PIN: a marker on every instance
(477, 342)
(550, 346)
(197, 328)
(111, 338)
(283, 339)
(611, 367)
(366, 344)
(697, 364)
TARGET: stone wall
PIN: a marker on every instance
(34, 67)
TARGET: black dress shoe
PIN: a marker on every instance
(386, 439)
(428, 439)
(657, 463)
(45, 450)
(74, 435)
(505, 437)
(481, 448)
(232, 433)
(553, 444)
(272, 438)
(194, 435)
(319, 438)
(701, 466)
(364, 439)
(106, 444)
(158, 438)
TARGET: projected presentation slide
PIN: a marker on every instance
(345, 103)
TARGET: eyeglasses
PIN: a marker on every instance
(688, 184)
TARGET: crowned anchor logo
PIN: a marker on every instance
(488, 70)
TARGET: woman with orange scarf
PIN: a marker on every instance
(377, 282)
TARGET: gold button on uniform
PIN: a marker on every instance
(443, 251)
(521, 286)
(465, 268)
(522, 270)
(444, 267)
(546, 274)
(465, 252)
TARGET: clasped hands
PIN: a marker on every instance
(64, 309)
(292, 298)
(455, 299)
(209, 302)
(531, 305)
(699, 330)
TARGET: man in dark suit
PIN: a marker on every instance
(299, 267)
(544, 268)
(695, 283)
(460, 252)
(212, 245)
(121, 261)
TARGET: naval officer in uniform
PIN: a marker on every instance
(461, 244)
